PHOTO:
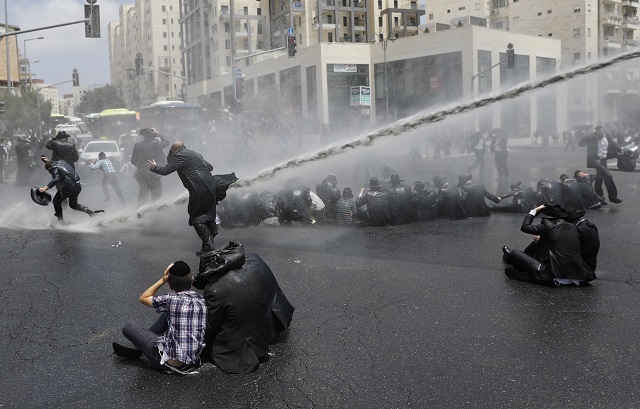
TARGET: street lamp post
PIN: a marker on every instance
(25, 57)
(385, 42)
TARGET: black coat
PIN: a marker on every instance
(425, 204)
(589, 246)
(237, 334)
(473, 195)
(148, 149)
(64, 150)
(589, 196)
(558, 249)
(571, 195)
(378, 211)
(279, 310)
(450, 203)
(64, 177)
(329, 196)
(400, 204)
(196, 177)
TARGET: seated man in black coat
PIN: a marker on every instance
(570, 193)
(449, 200)
(246, 310)
(473, 195)
(425, 201)
(590, 198)
(377, 201)
(400, 201)
(554, 257)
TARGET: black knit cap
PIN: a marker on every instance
(179, 268)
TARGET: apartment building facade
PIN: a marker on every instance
(151, 31)
(47, 93)
(12, 78)
(588, 29)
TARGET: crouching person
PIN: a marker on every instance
(175, 341)
(246, 308)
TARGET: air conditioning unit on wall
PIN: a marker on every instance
(495, 11)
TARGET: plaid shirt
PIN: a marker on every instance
(105, 165)
(184, 339)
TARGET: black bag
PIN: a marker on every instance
(627, 161)
(219, 262)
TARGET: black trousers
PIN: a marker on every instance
(206, 231)
(112, 179)
(149, 184)
(603, 175)
(501, 164)
(71, 194)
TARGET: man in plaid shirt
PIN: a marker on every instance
(110, 177)
(174, 342)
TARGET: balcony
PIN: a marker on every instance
(631, 3)
(630, 45)
(612, 43)
(225, 14)
(611, 2)
(611, 20)
(630, 23)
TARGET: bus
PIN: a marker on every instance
(176, 119)
(112, 123)
(57, 119)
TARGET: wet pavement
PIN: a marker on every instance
(419, 315)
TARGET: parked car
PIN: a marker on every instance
(71, 130)
(93, 148)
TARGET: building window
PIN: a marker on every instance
(549, 11)
(461, 8)
(576, 32)
(430, 17)
(589, 32)
(164, 21)
(588, 8)
(516, 20)
(227, 44)
(164, 34)
(576, 57)
(330, 37)
(228, 61)
(589, 55)
(478, 6)
(165, 48)
(577, 9)
(539, 13)
(550, 35)
(245, 10)
(259, 11)
(164, 8)
(227, 28)
(379, 21)
(345, 22)
(379, 4)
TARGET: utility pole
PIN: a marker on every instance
(6, 30)
(232, 18)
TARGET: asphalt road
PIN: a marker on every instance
(419, 315)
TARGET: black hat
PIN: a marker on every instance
(599, 127)
(515, 186)
(419, 186)
(438, 181)
(147, 133)
(554, 211)
(62, 134)
(179, 268)
(373, 182)
(463, 179)
(394, 179)
(573, 214)
(41, 198)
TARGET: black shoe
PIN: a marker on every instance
(125, 351)
(506, 253)
(186, 369)
(615, 200)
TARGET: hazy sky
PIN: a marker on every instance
(63, 48)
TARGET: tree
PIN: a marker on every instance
(22, 111)
(99, 99)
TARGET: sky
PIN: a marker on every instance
(63, 48)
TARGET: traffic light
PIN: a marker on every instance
(2, 106)
(139, 64)
(511, 56)
(291, 46)
(92, 27)
(76, 78)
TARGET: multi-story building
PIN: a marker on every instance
(12, 78)
(149, 30)
(588, 30)
(47, 93)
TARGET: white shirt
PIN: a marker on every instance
(316, 203)
(603, 144)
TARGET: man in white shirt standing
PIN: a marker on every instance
(600, 147)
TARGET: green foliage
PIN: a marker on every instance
(99, 99)
(22, 111)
